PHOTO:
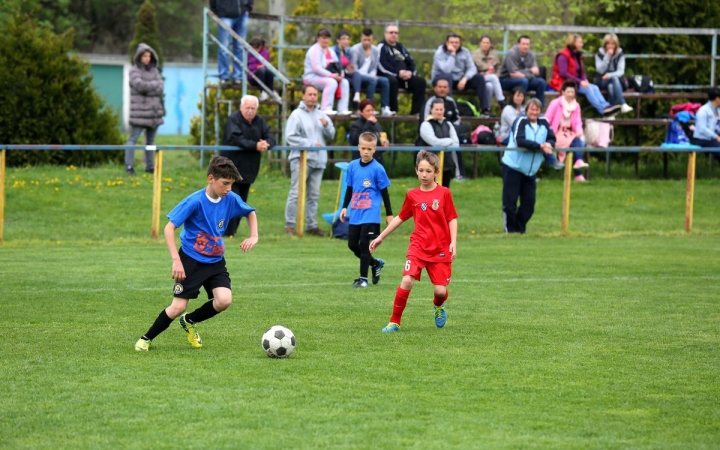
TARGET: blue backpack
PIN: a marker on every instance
(676, 132)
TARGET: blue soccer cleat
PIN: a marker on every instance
(440, 316)
(376, 271)
(391, 327)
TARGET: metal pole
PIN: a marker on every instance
(203, 114)
(712, 60)
(281, 44)
(2, 194)
(302, 194)
(157, 193)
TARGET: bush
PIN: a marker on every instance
(48, 98)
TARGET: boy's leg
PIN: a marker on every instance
(440, 274)
(162, 322)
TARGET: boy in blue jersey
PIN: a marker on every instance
(200, 262)
(367, 184)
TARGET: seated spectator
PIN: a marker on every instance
(610, 66)
(259, 69)
(366, 57)
(510, 113)
(488, 62)
(520, 69)
(563, 113)
(366, 123)
(342, 51)
(569, 65)
(453, 63)
(435, 131)
(706, 123)
(323, 70)
(398, 67)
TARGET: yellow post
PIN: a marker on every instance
(441, 155)
(690, 191)
(337, 202)
(567, 182)
(157, 192)
(2, 194)
(302, 194)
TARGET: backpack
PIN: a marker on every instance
(482, 135)
(598, 134)
(676, 131)
(690, 107)
(341, 230)
(640, 83)
(467, 108)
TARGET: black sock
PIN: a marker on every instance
(161, 324)
(204, 312)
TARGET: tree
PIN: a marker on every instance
(146, 30)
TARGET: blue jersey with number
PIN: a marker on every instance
(204, 223)
(366, 182)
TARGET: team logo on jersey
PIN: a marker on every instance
(221, 224)
(366, 183)
(423, 206)
(178, 288)
(435, 205)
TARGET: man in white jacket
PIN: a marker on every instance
(307, 127)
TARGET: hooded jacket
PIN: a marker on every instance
(523, 150)
(613, 66)
(460, 65)
(146, 90)
(304, 129)
(231, 8)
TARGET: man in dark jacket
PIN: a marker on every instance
(398, 67)
(250, 132)
(234, 14)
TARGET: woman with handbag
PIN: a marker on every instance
(324, 71)
(563, 114)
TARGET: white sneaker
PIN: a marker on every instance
(387, 112)
(356, 97)
(625, 108)
(264, 96)
(347, 112)
(330, 112)
(580, 164)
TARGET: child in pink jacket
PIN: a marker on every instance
(563, 114)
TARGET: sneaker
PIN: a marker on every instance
(580, 164)
(149, 170)
(625, 108)
(440, 316)
(557, 165)
(356, 97)
(330, 112)
(316, 232)
(290, 231)
(277, 97)
(129, 170)
(386, 112)
(347, 112)
(391, 327)
(580, 179)
(611, 110)
(264, 96)
(193, 337)
(360, 283)
(376, 271)
(142, 345)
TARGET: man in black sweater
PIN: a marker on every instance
(398, 67)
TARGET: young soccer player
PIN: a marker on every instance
(432, 243)
(200, 261)
(367, 183)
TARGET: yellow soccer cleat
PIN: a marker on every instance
(142, 345)
(192, 336)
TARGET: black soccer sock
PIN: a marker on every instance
(161, 324)
(204, 312)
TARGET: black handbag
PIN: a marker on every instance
(335, 67)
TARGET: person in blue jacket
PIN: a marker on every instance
(530, 137)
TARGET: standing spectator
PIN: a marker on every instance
(520, 69)
(610, 66)
(307, 127)
(366, 57)
(367, 123)
(706, 123)
(250, 132)
(510, 113)
(146, 109)
(530, 137)
(435, 131)
(234, 14)
(488, 63)
(324, 71)
(563, 113)
(569, 65)
(453, 62)
(398, 67)
(259, 69)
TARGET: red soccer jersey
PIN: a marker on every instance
(432, 210)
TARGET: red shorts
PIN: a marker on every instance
(439, 272)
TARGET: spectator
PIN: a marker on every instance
(234, 14)
(324, 71)
(435, 131)
(488, 63)
(307, 127)
(569, 65)
(250, 132)
(563, 113)
(453, 62)
(610, 66)
(366, 57)
(342, 51)
(510, 113)
(259, 69)
(519, 69)
(146, 109)
(530, 137)
(398, 67)
(706, 123)
(367, 123)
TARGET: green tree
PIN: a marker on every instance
(48, 98)
(146, 30)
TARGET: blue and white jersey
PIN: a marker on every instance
(366, 183)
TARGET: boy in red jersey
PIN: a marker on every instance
(432, 243)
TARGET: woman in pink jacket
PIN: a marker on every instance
(563, 114)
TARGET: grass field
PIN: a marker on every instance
(605, 338)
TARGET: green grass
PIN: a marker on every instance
(606, 338)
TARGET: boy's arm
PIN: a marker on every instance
(388, 209)
(346, 203)
(396, 222)
(178, 271)
(250, 242)
(453, 237)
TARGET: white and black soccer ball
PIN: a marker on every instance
(278, 342)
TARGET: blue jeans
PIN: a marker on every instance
(707, 143)
(535, 84)
(592, 93)
(135, 132)
(238, 25)
(614, 90)
(370, 84)
(577, 143)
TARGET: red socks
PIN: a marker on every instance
(438, 301)
(401, 298)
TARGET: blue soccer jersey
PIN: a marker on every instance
(366, 183)
(204, 223)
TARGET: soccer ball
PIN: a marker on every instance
(278, 342)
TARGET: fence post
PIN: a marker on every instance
(441, 155)
(690, 192)
(157, 192)
(2, 194)
(567, 182)
(301, 195)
